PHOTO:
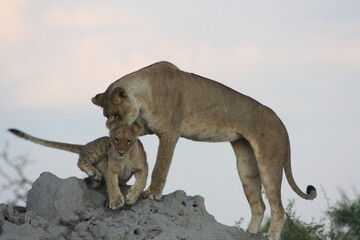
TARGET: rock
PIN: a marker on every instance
(56, 199)
(71, 209)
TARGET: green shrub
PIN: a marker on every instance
(296, 229)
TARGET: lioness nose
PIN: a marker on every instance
(121, 153)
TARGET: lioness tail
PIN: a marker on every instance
(62, 146)
(310, 190)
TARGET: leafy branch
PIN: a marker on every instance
(13, 175)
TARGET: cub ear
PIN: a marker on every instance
(118, 94)
(137, 128)
(98, 99)
(111, 123)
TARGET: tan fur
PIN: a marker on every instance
(126, 158)
(120, 156)
(172, 103)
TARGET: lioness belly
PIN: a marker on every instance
(210, 134)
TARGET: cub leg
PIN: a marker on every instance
(116, 199)
(164, 156)
(251, 181)
(137, 188)
(271, 171)
(86, 166)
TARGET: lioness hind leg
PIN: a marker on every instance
(272, 189)
(271, 171)
(251, 181)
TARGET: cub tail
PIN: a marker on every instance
(58, 145)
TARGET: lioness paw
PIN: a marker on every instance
(150, 195)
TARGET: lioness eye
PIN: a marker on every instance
(129, 141)
(116, 140)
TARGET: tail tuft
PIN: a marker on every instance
(311, 191)
(17, 132)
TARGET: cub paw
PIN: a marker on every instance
(116, 202)
(96, 180)
(96, 183)
(97, 176)
(131, 198)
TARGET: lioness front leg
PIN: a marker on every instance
(116, 199)
(137, 188)
(164, 156)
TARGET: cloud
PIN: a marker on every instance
(104, 17)
(72, 52)
(12, 21)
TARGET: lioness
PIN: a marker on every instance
(172, 103)
(117, 157)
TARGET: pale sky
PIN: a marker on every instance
(300, 58)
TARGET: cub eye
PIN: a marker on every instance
(116, 140)
(129, 141)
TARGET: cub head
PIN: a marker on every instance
(123, 137)
(118, 104)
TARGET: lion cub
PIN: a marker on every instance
(117, 157)
(126, 157)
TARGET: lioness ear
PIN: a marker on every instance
(98, 99)
(118, 94)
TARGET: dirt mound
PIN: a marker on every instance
(70, 209)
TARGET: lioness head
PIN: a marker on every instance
(122, 138)
(119, 104)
